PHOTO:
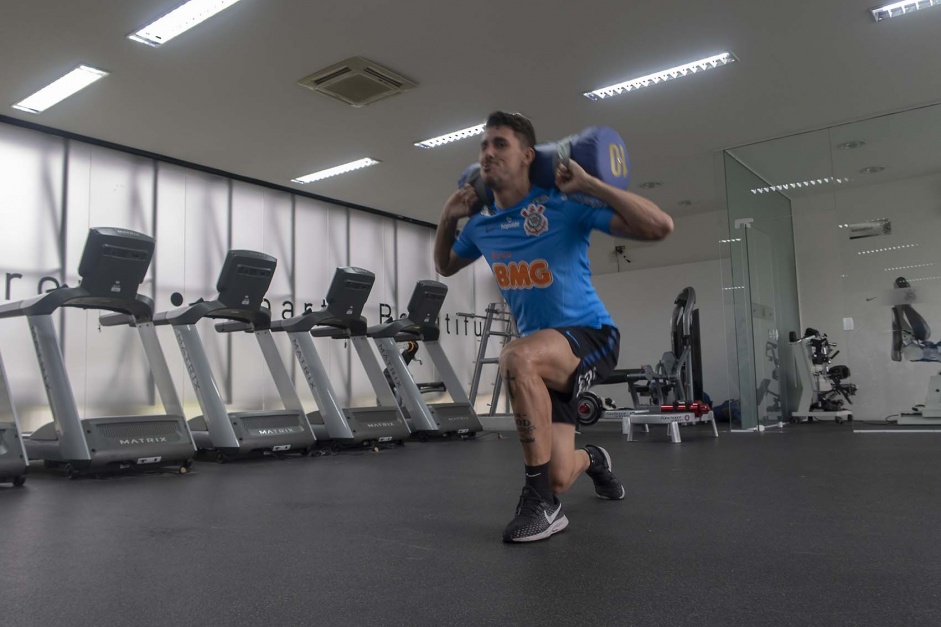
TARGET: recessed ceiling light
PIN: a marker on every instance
(786, 186)
(650, 184)
(57, 91)
(665, 75)
(873, 169)
(686, 203)
(340, 169)
(179, 20)
(901, 8)
(454, 136)
(852, 144)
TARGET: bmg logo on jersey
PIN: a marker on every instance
(523, 275)
(536, 223)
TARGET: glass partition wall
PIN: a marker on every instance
(861, 206)
(764, 295)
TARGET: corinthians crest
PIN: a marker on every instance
(536, 223)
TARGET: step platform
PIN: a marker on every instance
(631, 417)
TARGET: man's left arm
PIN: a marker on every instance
(634, 216)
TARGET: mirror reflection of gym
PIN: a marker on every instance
(865, 203)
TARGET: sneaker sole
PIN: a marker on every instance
(559, 524)
(613, 498)
(607, 459)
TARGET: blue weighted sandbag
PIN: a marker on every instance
(471, 175)
(598, 149)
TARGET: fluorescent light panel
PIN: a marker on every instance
(179, 20)
(885, 250)
(917, 265)
(660, 77)
(340, 169)
(786, 186)
(902, 8)
(441, 140)
(57, 91)
(729, 241)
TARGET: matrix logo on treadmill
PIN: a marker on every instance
(282, 431)
(133, 441)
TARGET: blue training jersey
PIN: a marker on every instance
(538, 252)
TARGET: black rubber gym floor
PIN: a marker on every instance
(815, 525)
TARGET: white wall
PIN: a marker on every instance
(695, 238)
(835, 282)
(641, 303)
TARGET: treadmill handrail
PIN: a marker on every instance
(140, 308)
(306, 322)
(119, 319)
(260, 318)
(234, 326)
(404, 329)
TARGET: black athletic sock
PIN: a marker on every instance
(537, 477)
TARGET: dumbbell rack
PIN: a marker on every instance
(496, 312)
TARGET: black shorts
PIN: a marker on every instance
(598, 350)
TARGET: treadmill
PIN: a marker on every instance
(112, 267)
(420, 324)
(13, 462)
(220, 434)
(341, 318)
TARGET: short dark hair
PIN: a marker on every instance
(518, 122)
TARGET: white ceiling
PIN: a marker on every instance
(224, 95)
(905, 145)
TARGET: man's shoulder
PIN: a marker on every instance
(473, 221)
(541, 195)
(558, 200)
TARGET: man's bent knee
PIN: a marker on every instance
(516, 357)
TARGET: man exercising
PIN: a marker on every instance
(536, 242)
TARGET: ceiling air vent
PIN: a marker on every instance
(357, 81)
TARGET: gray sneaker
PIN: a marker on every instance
(607, 485)
(535, 519)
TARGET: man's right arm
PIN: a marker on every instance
(447, 262)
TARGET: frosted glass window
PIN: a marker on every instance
(32, 167)
(372, 247)
(320, 246)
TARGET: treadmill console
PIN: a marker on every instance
(426, 302)
(349, 292)
(245, 278)
(115, 262)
